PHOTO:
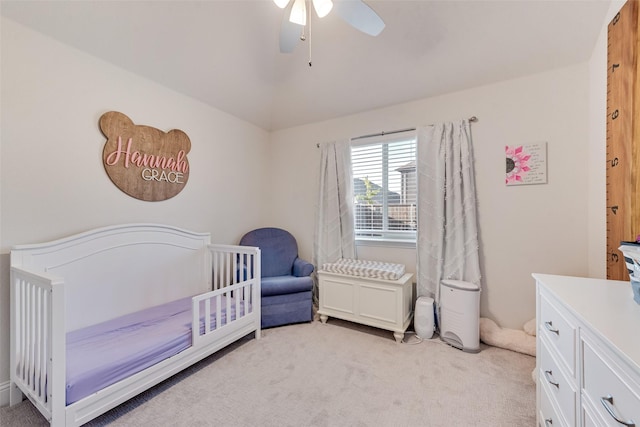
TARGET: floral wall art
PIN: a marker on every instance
(526, 164)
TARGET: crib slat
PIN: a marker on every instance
(29, 326)
(238, 295)
(27, 331)
(20, 327)
(215, 270)
(228, 317)
(235, 272)
(246, 292)
(227, 269)
(43, 360)
(218, 312)
(38, 340)
(32, 336)
(207, 315)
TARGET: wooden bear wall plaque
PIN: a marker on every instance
(144, 162)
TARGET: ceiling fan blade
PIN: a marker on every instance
(359, 15)
(289, 32)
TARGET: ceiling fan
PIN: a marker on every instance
(354, 12)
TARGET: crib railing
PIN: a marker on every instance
(235, 294)
(233, 264)
(37, 316)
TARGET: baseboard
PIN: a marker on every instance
(4, 394)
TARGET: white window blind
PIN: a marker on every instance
(384, 187)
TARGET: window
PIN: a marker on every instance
(385, 187)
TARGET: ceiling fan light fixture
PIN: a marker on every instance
(299, 13)
(322, 7)
(281, 3)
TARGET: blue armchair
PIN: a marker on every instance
(286, 279)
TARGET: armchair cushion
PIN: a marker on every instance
(280, 285)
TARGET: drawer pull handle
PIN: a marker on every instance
(549, 378)
(550, 328)
(607, 402)
(548, 422)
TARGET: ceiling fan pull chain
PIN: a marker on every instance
(309, 37)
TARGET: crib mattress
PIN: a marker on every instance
(103, 354)
(365, 268)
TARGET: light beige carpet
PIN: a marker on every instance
(336, 374)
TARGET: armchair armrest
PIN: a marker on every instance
(302, 268)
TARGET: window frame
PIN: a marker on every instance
(385, 237)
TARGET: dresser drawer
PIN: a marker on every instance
(560, 332)
(560, 388)
(589, 419)
(608, 388)
(547, 415)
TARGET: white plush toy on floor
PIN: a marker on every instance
(511, 339)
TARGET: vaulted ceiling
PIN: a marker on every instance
(225, 53)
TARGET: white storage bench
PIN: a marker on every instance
(367, 292)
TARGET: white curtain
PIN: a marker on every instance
(335, 235)
(447, 242)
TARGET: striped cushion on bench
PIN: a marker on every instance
(365, 268)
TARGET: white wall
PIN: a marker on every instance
(52, 179)
(53, 183)
(537, 228)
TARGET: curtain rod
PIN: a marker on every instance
(391, 132)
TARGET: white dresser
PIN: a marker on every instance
(588, 352)
(385, 304)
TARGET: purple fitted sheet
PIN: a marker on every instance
(103, 354)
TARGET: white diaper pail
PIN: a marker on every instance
(460, 315)
(423, 318)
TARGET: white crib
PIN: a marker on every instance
(92, 277)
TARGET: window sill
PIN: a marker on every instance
(377, 241)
